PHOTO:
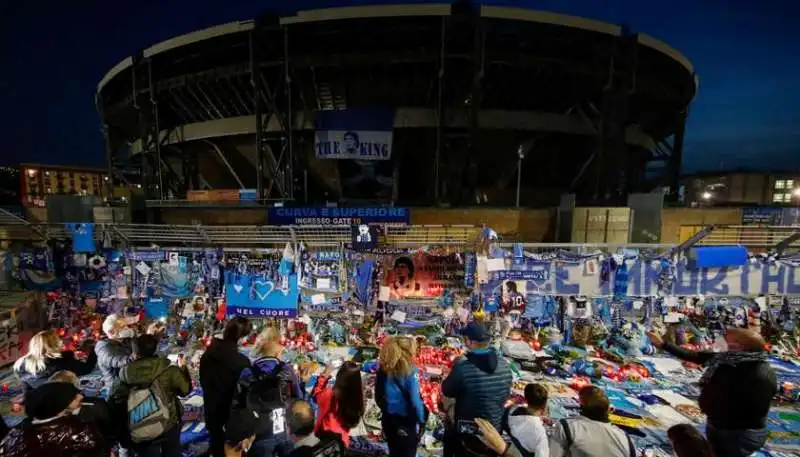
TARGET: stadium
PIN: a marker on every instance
(475, 93)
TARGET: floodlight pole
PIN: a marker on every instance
(520, 156)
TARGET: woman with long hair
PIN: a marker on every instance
(341, 407)
(397, 393)
(46, 356)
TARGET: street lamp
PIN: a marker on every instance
(520, 156)
(796, 192)
(707, 195)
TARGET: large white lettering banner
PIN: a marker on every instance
(643, 280)
(354, 134)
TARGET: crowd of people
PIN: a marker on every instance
(260, 408)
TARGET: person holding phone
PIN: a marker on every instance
(397, 394)
(480, 384)
(341, 407)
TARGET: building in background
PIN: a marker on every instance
(280, 105)
(37, 182)
(742, 188)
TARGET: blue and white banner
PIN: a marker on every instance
(338, 216)
(252, 295)
(359, 134)
(560, 278)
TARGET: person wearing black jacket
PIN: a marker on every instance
(736, 391)
(92, 410)
(46, 357)
(220, 368)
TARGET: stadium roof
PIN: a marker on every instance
(409, 10)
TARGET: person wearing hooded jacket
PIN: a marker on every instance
(480, 384)
(173, 380)
(736, 390)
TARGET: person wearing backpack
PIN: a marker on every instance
(524, 423)
(397, 394)
(266, 387)
(591, 434)
(148, 391)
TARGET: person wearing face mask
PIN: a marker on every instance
(220, 368)
(736, 390)
(115, 352)
(91, 410)
(51, 429)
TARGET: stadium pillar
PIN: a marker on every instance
(612, 150)
(259, 111)
(677, 157)
(440, 119)
(155, 132)
(143, 124)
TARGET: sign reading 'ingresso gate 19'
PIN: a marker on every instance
(314, 215)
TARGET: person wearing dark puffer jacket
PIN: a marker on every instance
(736, 391)
(51, 429)
(480, 384)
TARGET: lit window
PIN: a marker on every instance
(778, 198)
(780, 184)
(789, 183)
(787, 197)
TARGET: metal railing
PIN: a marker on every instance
(199, 203)
(751, 236)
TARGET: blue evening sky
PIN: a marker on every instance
(746, 114)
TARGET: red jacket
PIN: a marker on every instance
(327, 421)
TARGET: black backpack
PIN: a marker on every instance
(266, 395)
(505, 428)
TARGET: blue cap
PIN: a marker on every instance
(477, 332)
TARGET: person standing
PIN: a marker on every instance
(480, 384)
(300, 421)
(591, 434)
(46, 357)
(240, 432)
(687, 441)
(92, 410)
(524, 423)
(220, 368)
(736, 390)
(115, 352)
(274, 383)
(341, 407)
(168, 382)
(397, 394)
(51, 429)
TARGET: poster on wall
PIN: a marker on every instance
(253, 295)
(421, 275)
(359, 134)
